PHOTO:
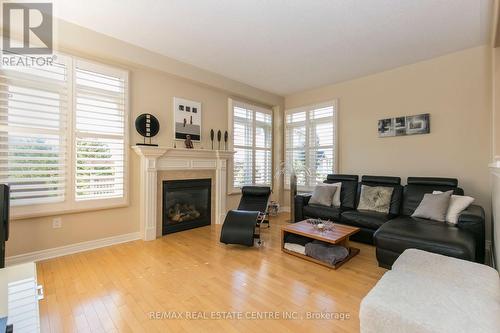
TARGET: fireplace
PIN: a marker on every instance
(186, 204)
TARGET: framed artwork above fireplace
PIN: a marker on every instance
(187, 119)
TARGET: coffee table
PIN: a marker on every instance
(339, 235)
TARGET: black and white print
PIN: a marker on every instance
(386, 127)
(187, 119)
(405, 125)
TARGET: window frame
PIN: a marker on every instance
(70, 204)
(306, 123)
(255, 108)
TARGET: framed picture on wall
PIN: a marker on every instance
(187, 119)
(386, 127)
(418, 124)
(400, 126)
(404, 125)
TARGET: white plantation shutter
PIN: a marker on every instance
(310, 141)
(63, 136)
(33, 132)
(263, 148)
(99, 131)
(252, 142)
(243, 143)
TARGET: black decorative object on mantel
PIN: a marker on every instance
(148, 126)
(212, 136)
(226, 136)
(219, 137)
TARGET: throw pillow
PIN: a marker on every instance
(458, 203)
(323, 195)
(375, 198)
(434, 206)
(336, 196)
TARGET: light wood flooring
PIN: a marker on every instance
(117, 288)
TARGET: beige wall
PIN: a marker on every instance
(455, 89)
(154, 81)
(496, 102)
(496, 156)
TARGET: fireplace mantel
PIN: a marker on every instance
(154, 159)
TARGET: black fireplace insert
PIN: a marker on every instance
(186, 204)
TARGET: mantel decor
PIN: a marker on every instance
(148, 126)
(212, 136)
(405, 125)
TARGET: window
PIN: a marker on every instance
(252, 142)
(63, 140)
(33, 127)
(99, 133)
(310, 141)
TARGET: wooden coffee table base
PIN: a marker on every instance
(339, 236)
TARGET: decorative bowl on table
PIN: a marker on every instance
(321, 225)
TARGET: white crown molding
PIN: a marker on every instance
(70, 249)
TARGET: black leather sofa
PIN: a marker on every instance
(397, 231)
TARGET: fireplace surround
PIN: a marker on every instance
(189, 161)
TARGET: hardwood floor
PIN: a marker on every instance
(116, 289)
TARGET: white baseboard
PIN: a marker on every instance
(285, 209)
(70, 249)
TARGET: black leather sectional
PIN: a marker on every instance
(397, 231)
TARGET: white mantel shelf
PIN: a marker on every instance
(181, 152)
(154, 159)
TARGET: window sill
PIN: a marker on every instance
(28, 212)
(234, 192)
(301, 189)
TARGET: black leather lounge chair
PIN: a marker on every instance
(242, 225)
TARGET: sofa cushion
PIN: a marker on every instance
(375, 198)
(323, 195)
(403, 233)
(322, 212)
(336, 196)
(348, 191)
(417, 187)
(364, 219)
(394, 182)
(458, 203)
(434, 206)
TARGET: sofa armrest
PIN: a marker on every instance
(472, 219)
(301, 200)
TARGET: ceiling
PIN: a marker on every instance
(286, 46)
